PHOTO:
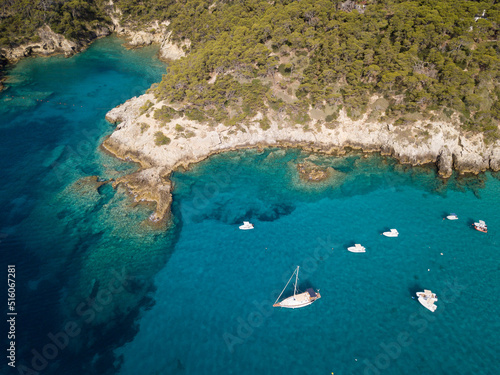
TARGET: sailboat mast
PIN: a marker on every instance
(296, 279)
(290, 279)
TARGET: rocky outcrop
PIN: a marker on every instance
(309, 171)
(150, 185)
(3, 64)
(191, 141)
(445, 163)
(157, 33)
(171, 51)
(50, 43)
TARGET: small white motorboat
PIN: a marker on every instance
(452, 216)
(481, 226)
(246, 225)
(357, 248)
(427, 299)
(391, 233)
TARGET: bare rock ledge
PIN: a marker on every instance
(134, 139)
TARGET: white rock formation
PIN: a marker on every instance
(50, 43)
(416, 144)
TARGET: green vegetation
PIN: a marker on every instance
(144, 127)
(75, 19)
(165, 114)
(145, 107)
(161, 139)
(437, 58)
(423, 56)
(265, 123)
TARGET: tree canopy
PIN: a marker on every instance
(434, 58)
(74, 19)
(429, 57)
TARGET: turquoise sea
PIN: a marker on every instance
(100, 291)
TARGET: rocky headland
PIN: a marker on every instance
(50, 43)
(188, 141)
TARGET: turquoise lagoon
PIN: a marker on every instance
(119, 296)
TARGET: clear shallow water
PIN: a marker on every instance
(195, 299)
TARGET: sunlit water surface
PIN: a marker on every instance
(196, 298)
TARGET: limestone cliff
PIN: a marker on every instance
(157, 33)
(191, 141)
(50, 43)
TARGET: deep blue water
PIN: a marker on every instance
(99, 291)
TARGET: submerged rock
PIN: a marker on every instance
(311, 172)
(90, 181)
(149, 185)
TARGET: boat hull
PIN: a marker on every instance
(391, 233)
(427, 302)
(480, 229)
(354, 249)
(297, 301)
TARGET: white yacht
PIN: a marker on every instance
(427, 299)
(357, 248)
(391, 233)
(297, 300)
(452, 216)
(246, 225)
(481, 226)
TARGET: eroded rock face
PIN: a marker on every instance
(445, 163)
(150, 185)
(171, 51)
(495, 160)
(50, 43)
(3, 64)
(444, 143)
(157, 33)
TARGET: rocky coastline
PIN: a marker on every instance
(51, 43)
(442, 143)
(422, 142)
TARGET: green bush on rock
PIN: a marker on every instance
(161, 139)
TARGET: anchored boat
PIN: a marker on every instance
(357, 248)
(427, 299)
(297, 300)
(246, 225)
(481, 226)
(391, 233)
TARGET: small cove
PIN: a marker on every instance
(196, 298)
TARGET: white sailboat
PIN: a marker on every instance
(297, 300)
(427, 299)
